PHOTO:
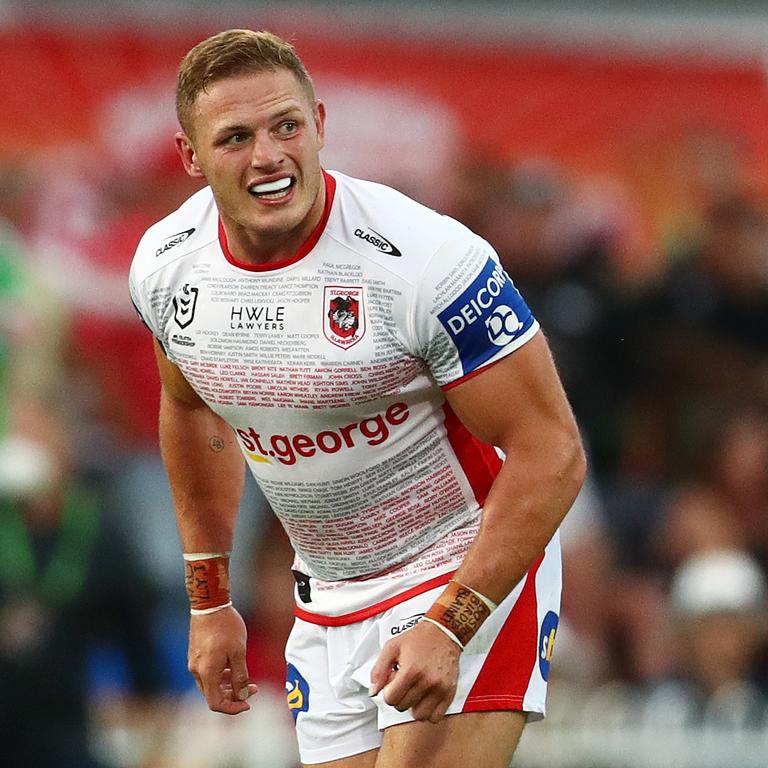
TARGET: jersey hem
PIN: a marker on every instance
(471, 375)
(372, 610)
(521, 342)
(490, 703)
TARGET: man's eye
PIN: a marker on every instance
(288, 127)
(237, 138)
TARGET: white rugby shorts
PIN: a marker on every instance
(504, 667)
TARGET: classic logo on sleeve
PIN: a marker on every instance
(296, 691)
(343, 315)
(489, 314)
(173, 240)
(379, 242)
(184, 303)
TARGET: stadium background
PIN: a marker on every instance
(615, 153)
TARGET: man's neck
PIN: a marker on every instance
(252, 247)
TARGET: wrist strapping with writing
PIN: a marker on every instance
(207, 581)
(460, 610)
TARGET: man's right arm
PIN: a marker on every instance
(206, 472)
(204, 464)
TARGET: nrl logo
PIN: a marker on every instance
(343, 315)
(184, 303)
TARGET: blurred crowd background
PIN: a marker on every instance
(614, 154)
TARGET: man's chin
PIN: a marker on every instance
(276, 225)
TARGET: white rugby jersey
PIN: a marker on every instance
(330, 368)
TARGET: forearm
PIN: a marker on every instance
(527, 502)
(519, 405)
(206, 473)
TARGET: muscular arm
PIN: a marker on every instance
(518, 405)
(206, 473)
(205, 467)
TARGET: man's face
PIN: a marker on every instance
(256, 139)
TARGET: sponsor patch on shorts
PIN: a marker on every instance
(296, 691)
(488, 315)
(547, 642)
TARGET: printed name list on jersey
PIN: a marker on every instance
(489, 314)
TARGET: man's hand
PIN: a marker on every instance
(217, 660)
(418, 670)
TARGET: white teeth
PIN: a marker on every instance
(271, 186)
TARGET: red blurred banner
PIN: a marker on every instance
(582, 107)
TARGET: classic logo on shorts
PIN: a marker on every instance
(406, 624)
(547, 642)
(184, 303)
(487, 315)
(296, 691)
(343, 315)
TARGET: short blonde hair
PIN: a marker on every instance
(229, 53)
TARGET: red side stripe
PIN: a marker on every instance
(479, 460)
(371, 610)
(307, 245)
(505, 675)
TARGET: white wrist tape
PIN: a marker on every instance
(444, 630)
(206, 611)
(189, 556)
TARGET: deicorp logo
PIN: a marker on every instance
(288, 449)
(488, 315)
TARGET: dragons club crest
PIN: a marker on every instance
(343, 315)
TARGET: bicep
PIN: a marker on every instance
(519, 398)
(173, 382)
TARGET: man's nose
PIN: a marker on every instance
(266, 152)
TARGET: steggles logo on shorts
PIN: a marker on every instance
(296, 692)
(343, 315)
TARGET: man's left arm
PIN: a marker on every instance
(519, 405)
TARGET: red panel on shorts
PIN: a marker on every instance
(505, 675)
(479, 460)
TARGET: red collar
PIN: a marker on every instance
(306, 247)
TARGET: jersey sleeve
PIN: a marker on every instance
(467, 312)
(140, 303)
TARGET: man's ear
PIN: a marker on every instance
(188, 155)
(319, 115)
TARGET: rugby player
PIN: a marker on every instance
(375, 368)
